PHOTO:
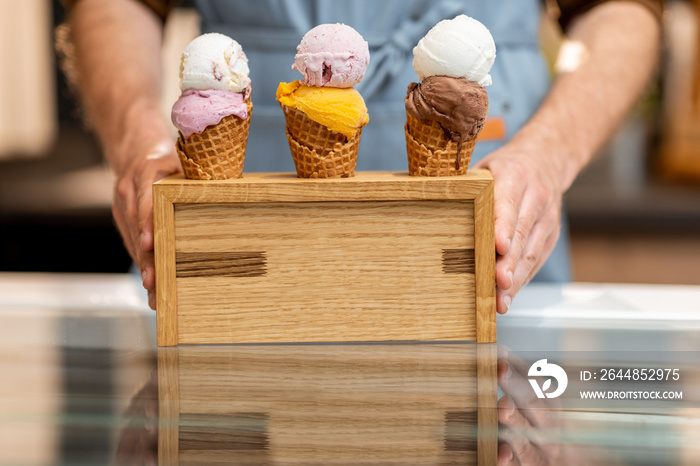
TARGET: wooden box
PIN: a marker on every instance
(300, 404)
(275, 258)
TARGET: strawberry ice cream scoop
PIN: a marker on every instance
(333, 55)
(196, 109)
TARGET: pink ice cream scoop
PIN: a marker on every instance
(333, 55)
(196, 109)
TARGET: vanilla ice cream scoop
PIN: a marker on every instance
(459, 48)
(214, 61)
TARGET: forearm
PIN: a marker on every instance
(117, 52)
(583, 108)
(620, 42)
(118, 46)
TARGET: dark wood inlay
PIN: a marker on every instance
(240, 431)
(461, 430)
(221, 264)
(458, 261)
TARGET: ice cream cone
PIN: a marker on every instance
(448, 107)
(317, 151)
(432, 153)
(218, 152)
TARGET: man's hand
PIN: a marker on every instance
(528, 199)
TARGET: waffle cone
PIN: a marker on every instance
(317, 151)
(431, 153)
(218, 152)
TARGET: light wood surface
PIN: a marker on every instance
(364, 186)
(273, 258)
(338, 271)
(485, 252)
(332, 404)
(164, 245)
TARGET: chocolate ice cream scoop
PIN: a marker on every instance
(459, 106)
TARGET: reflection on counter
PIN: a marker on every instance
(610, 408)
(81, 382)
(328, 404)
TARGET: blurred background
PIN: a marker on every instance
(634, 213)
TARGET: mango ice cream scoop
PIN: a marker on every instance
(324, 113)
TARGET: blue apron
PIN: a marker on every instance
(269, 31)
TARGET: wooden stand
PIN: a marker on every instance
(274, 258)
(428, 404)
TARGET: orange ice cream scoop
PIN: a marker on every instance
(339, 109)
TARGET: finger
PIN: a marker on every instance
(152, 299)
(541, 242)
(502, 351)
(512, 383)
(506, 409)
(125, 231)
(504, 278)
(150, 421)
(506, 457)
(151, 458)
(160, 161)
(506, 265)
(507, 367)
(514, 362)
(149, 175)
(530, 212)
(127, 445)
(145, 218)
(503, 300)
(505, 375)
(517, 432)
(508, 198)
(539, 246)
(148, 275)
(124, 211)
(529, 443)
(508, 195)
(502, 368)
(515, 384)
(508, 192)
(510, 362)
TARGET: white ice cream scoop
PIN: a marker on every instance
(214, 61)
(460, 48)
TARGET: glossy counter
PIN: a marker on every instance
(81, 382)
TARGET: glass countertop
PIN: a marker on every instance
(82, 382)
